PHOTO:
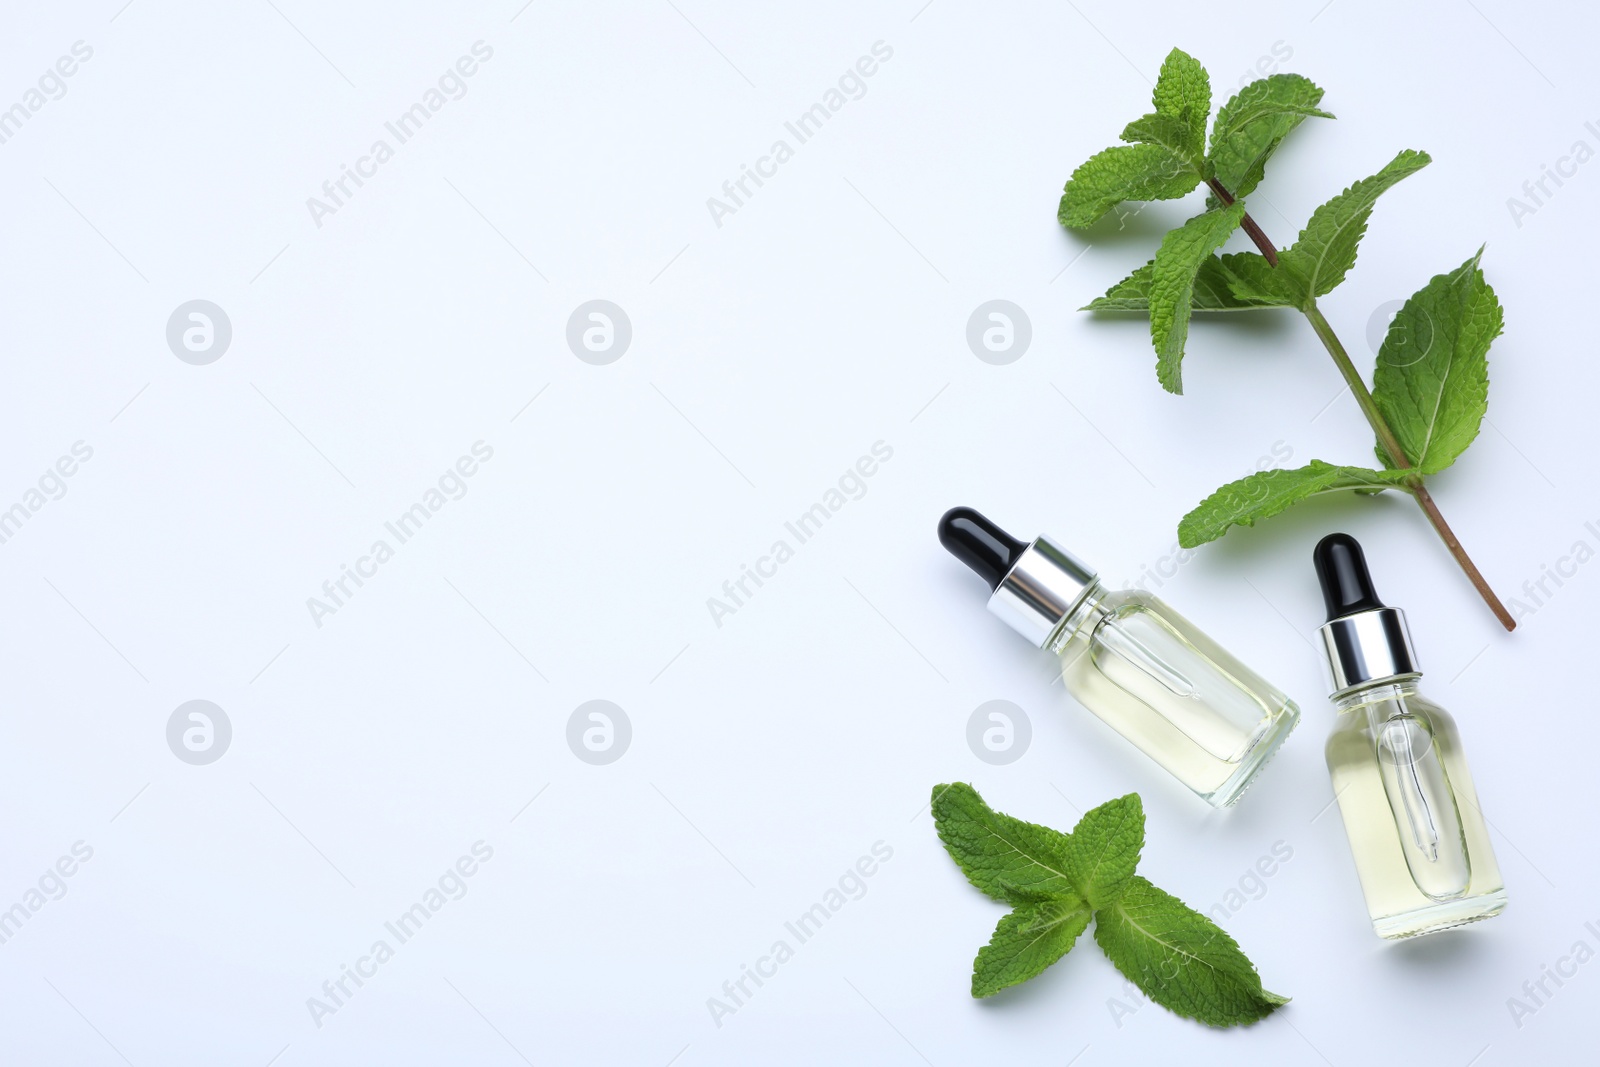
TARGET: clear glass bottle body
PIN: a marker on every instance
(1410, 811)
(1185, 701)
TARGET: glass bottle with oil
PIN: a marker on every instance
(1148, 672)
(1411, 813)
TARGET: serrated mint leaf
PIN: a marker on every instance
(1019, 894)
(1105, 849)
(1183, 92)
(1168, 131)
(1326, 249)
(1172, 283)
(1266, 493)
(1252, 278)
(1250, 127)
(1130, 294)
(1217, 287)
(1007, 858)
(1027, 941)
(1180, 959)
(1432, 380)
(1123, 172)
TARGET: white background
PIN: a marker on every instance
(768, 354)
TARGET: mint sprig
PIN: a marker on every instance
(1430, 387)
(1058, 882)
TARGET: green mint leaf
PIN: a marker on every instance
(1326, 249)
(1180, 959)
(1266, 493)
(1123, 172)
(1027, 941)
(1251, 277)
(1029, 894)
(1183, 92)
(1250, 127)
(1432, 380)
(1172, 284)
(1168, 131)
(1007, 858)
(1218, 286)
(1105, 849)
(1132, 293)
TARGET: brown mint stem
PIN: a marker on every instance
(1380, 426)
(1248, 223)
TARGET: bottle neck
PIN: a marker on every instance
(1367, 648)
(1082, 619)
(1394, 687)
(1041, 591)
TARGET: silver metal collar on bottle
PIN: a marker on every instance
(1368, 646)
(1040, 590)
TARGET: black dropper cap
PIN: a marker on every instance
(1342, 570)
(980, 544)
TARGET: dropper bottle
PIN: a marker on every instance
(1420, 842)
(1148, 672)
